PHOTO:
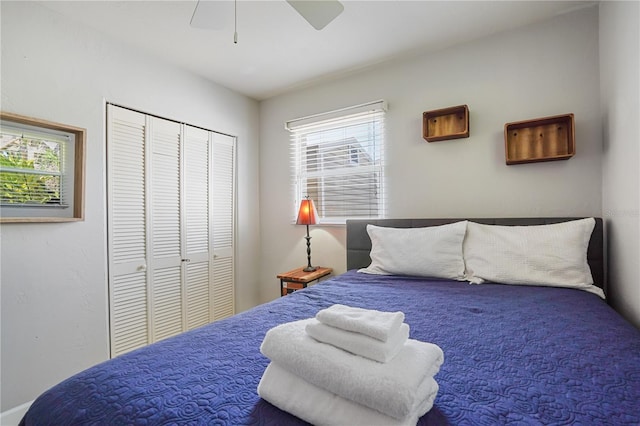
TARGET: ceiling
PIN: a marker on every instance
(278, 50)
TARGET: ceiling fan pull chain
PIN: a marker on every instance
(235, 21)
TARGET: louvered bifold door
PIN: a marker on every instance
(223, 224)
(126, 136)
(196, 224)
(171, 198)
(165, 260)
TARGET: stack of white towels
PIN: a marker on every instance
(350, 366)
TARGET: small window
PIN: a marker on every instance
(338, 162)
(41, 170)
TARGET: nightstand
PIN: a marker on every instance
(298, 278)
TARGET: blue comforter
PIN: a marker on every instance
(513, 355)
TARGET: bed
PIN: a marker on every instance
(514, 354)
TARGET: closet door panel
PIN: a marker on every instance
(165, 232)
(128, 297)
(197, 225)
(223, 223)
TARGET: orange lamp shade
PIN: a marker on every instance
(307, 215)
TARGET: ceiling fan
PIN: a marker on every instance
(319, 13)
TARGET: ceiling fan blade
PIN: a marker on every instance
(212, 15)
(319, 13)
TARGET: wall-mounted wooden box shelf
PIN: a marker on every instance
(446, 123)
(542, 139)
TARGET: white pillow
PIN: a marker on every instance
(434, 251)
(548, 255)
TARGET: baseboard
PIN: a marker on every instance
(13, 416)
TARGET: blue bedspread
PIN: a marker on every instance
(513, 355)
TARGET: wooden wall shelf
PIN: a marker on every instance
(446, 123)
(541, 139)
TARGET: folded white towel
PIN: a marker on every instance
(377, 324)
(317, 406)
(393, 388)
(359, 344)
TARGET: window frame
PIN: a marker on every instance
(74, 171)
(299, 128)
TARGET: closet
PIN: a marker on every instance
(171, 191)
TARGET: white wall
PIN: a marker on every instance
(620, 93)
(544, 69)
(54, 280)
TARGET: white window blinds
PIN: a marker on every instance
(33, 168)
(338, 161)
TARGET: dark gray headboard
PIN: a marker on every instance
(359, 244)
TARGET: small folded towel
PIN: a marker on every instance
(359, 344)
(377, 324)
(317, 406)
(393, 388)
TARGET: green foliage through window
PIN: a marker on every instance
(30, 171)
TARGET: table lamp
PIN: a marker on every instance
(307, 215)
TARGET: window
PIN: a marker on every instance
(41, 170)
(338, 162)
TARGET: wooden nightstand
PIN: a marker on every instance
(297, 279)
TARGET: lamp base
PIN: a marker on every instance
(310, 269)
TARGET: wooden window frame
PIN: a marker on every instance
(78, 167)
